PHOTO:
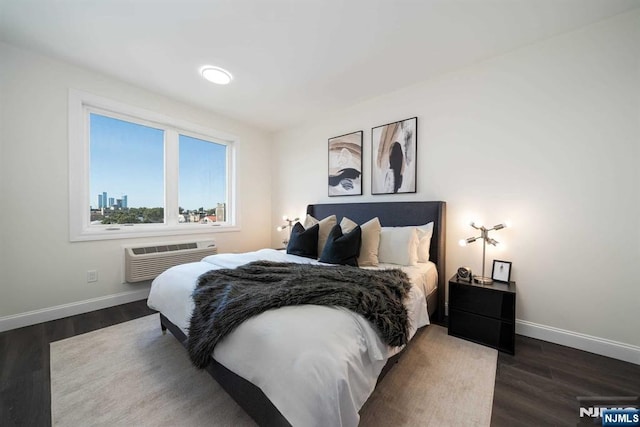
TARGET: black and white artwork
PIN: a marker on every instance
(345, 165)
(393, 157)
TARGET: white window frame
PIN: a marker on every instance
(81, 104)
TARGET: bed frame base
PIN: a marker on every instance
(247, 395)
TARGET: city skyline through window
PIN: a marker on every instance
(126, 159)
(127, 173)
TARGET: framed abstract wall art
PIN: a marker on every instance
(345, 165)
(393, 157)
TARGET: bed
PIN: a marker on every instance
(242, 377)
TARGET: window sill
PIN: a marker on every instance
(132, 232)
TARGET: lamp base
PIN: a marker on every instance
(482, 280)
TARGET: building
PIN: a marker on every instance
(220, 212)
(209, 219)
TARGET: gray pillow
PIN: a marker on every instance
(303, 242)
(342, 248)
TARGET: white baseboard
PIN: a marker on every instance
(604, 347)
(60, 311)
(601, 346)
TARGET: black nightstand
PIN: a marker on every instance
(485, 314)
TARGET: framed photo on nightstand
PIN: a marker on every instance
(501, 271)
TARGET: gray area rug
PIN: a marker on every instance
(132, 375)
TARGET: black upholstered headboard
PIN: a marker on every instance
(397, 214)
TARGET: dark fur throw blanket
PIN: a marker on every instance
(226, 298)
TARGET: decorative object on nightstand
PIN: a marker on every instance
(501, 271)
(484, 235)
(485, 314)
(464, 274)
(288, 225)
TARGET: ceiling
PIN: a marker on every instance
(291, 59)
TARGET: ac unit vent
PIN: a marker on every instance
(163, 248)
(147, 262)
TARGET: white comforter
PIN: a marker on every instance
(316, 364)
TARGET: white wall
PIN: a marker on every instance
(546, 136)
(40, 268)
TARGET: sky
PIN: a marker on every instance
(128, 159)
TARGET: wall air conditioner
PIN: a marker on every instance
(146, 262)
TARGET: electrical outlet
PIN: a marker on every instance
(92, 276)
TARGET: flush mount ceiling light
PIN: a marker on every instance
(216, 75)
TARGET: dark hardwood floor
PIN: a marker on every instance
(536, 387)
(25, 387)
(540, 384)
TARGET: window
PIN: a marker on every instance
(126, 172)
(135, 173)
(203, 183)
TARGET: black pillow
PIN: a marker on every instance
(304, 242)
(342, 248)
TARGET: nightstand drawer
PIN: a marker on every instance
(484, 301)
(483, 330)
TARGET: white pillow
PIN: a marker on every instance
(398, 245)
(424, 241)
(370, 240)
(326, 225)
